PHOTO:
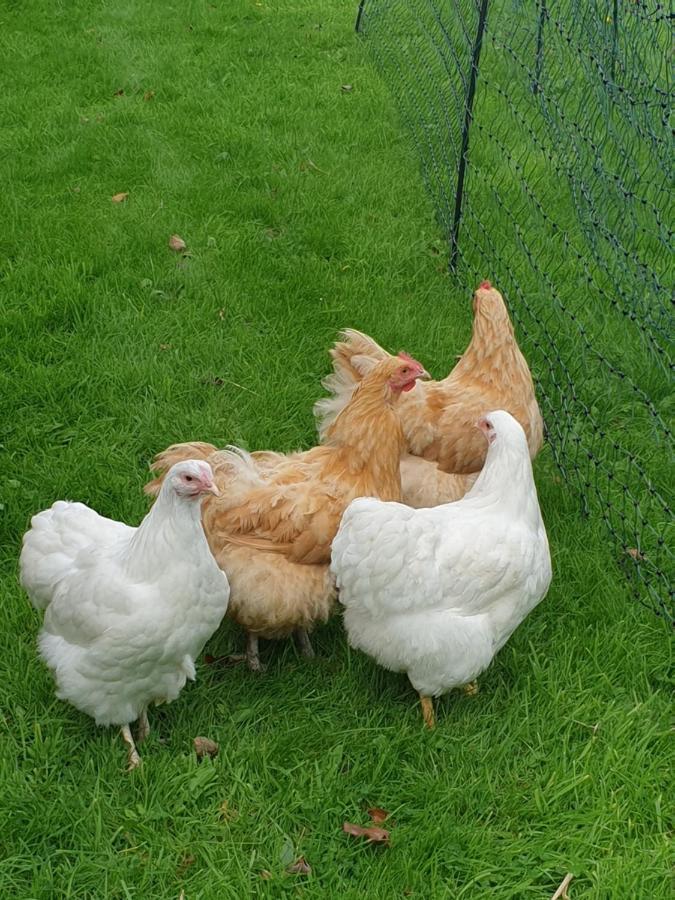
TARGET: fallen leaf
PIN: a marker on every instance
(228, 813)
(635, 553)
(149, 95)
(299, 867)
(286, 855)
(120, 198)
(221, 313)
(346, 88)
(372, 834)
(266, 874)
(165, 346)
(205, 747)
(377, 814)
(177, 243)
(119, 92)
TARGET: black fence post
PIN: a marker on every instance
(357, 26)
(468, 116)
(539, 62)
(615, 37)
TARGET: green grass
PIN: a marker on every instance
(303, 213)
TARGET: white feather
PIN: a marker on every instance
(437, 592)
(127, 610)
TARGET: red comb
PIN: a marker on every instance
(407, 357)
(485, 286)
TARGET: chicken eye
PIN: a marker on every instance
(189, 478)
(405, 370)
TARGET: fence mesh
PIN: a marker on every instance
(543, 134)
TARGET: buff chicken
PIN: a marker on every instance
(444, 449)
(272, 526)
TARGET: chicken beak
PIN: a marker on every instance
(213, 489)
(424, 374)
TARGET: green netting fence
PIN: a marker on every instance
(544, 139)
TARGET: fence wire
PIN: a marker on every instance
(543, 134)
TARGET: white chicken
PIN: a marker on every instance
(127, 610)
(437, 592)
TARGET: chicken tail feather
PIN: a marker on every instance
(353, 357)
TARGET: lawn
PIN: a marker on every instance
(260, 133)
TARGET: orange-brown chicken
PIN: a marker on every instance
(439, 416)
(272, 526)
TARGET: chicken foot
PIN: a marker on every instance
(304, 643)
(134, 758)
(251, 657)
(470, 689)
(428, 711)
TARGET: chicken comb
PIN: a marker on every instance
(406, 357)
(485, 286)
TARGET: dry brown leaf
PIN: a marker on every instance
(120, 198)
(177, 243)
(635, 553)
(205, 747)
(377, 814)
(372, 834)
(266, 874)
(299, 867)
(149, 95)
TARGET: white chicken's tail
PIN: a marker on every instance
(353, 358)
(55, 538)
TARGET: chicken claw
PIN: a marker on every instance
(470, 689)
(428, 711)
(134, 758)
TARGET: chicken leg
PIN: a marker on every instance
(470, 689)
(143, 729)
(428, 711)
(251, 657)
(134, 758)
(304, 643)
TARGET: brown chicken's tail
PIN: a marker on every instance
(174, 454)
(353, 357)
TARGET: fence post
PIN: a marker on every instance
(357, 26)
(615, 37)
(468, 115)
(539, 62)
